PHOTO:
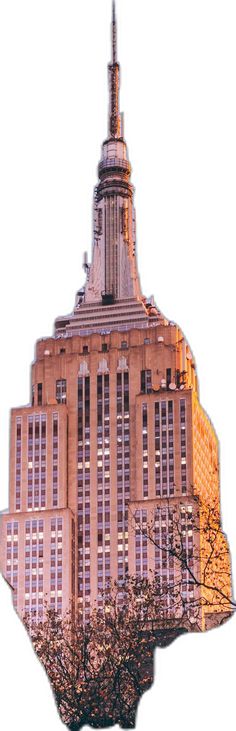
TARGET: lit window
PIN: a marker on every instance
(61, 391)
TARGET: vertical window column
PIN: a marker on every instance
(84, 588)
(37, 426)
(55, 450)
(56, 564)
(18, 462)
(34, 536)
(164, 561)
(30, 460)
(103, 483)
(37, 460)
(141, 563)
(164, 448)
(157, 450)
(187, 586)
(42, 472)
(123, 471)
(145, 449)
(12, 558)
(73, 566)
(170, 449)
(183, 446)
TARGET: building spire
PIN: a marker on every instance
(114, 33)
(114, 82)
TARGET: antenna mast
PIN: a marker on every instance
(114, 82)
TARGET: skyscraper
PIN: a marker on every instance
(114, 433)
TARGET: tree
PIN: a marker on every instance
(195, 546)
(99, 670)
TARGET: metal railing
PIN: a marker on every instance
(111, 162)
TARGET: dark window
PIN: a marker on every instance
(146, 381)
(124, 344)
(85, 349)
(104, 348)
(144, 415)
(168, 377)
(40, 394)
(55, 426)
(99, 221)
(43, 429)
(177, 378)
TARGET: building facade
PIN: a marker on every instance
(114, 439)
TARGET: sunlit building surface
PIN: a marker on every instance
(114, 437)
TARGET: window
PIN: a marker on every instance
(146, 381)
(124, 222)
(40, 394)
(61, 391)
(124, 344)
(168, 377)
(99, 221)
(85, 349)
(177, 378)
(104, 348)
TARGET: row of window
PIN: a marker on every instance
(164, 448)
(37, 433)
(34, 591)
(37, 462)
(146, 380)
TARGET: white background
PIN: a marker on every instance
(178, 91)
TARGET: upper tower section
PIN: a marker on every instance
(112, 295)
(113, 272)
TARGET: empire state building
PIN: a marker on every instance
(114, 438)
